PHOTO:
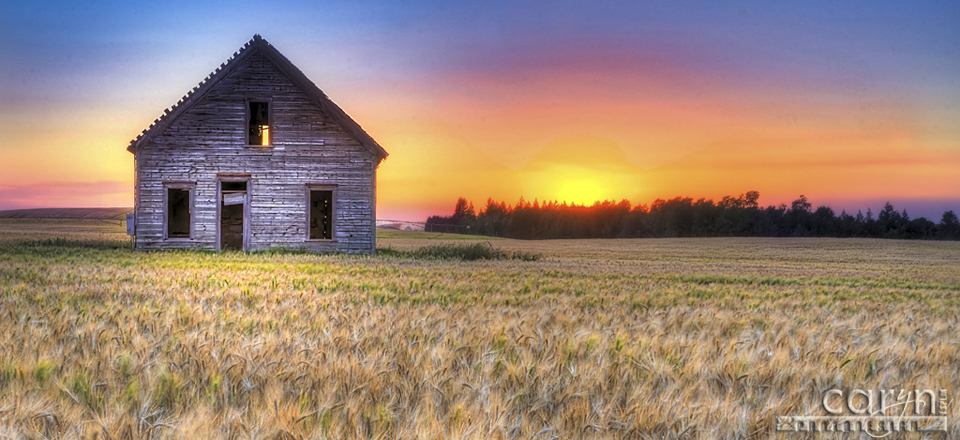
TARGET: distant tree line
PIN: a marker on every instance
(684, 217)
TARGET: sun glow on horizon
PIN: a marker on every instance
(579, 185)
(579, 191)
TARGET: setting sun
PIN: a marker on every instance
(579, 185)
(580, 190)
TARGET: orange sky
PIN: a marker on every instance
(850, 107)
(641, 132)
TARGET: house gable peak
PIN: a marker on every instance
(258, 45)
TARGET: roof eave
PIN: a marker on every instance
(193, 96)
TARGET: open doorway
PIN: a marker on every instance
(233, 202)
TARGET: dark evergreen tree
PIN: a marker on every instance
(684, 217)
(949, 228)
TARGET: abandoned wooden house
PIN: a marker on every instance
(256, 156)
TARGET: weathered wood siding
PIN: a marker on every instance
(307, 148)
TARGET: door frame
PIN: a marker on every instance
(234, 177)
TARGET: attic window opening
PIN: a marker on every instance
(259, 123)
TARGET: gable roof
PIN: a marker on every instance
(261, 46)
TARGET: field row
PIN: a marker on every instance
(685, 339)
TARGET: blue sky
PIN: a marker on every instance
(79, 79)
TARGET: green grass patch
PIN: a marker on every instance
(462, 252)
(65, 243)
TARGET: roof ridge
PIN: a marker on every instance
(256, 40)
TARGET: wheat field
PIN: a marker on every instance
(633, 339)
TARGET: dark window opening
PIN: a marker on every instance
(178, 213)
(321, 215)
(259, 124)
(233, 186)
